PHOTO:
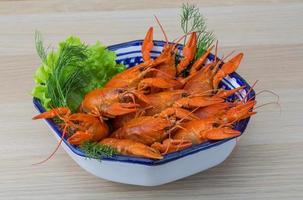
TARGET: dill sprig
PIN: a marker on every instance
(97, 150)
(67, 74)
(65, 67)
(193, 20)
(41, 51)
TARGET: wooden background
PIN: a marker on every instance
(266, 164)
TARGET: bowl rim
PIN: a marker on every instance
(169, 157)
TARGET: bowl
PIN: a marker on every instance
(174, 166)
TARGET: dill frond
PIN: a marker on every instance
(41, 51)
(66, 74)
(97, 150)
(193, 20)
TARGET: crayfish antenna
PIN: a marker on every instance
(177, 40)
(258, 93)
(228, 55)
(249, 91)
(55, 112)
(220, 62)
(216, 51)
(245, 98)
(199, 62)
(216, 67)
(269, 91)
(56, 149)
(162, 29)
(227, 93)
(277, 102)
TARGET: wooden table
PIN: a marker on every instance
(266, 164)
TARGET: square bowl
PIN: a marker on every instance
(174, 166)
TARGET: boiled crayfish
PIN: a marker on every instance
(153, 110)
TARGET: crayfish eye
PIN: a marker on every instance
(119, 90)
(141, 69)
(184, 94)
(216, 125)
(166, 129)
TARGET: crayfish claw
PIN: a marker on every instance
(239, 112)
(130, 147)
(147, 44)
(227, 68)
(220, 133)
(56, 112)
(117, 109)
(171, 145)
(79, 137)
(189, 52)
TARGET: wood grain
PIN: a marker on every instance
(13, 7)
(267, 162)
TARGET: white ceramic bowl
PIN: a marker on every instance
(174, 166)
